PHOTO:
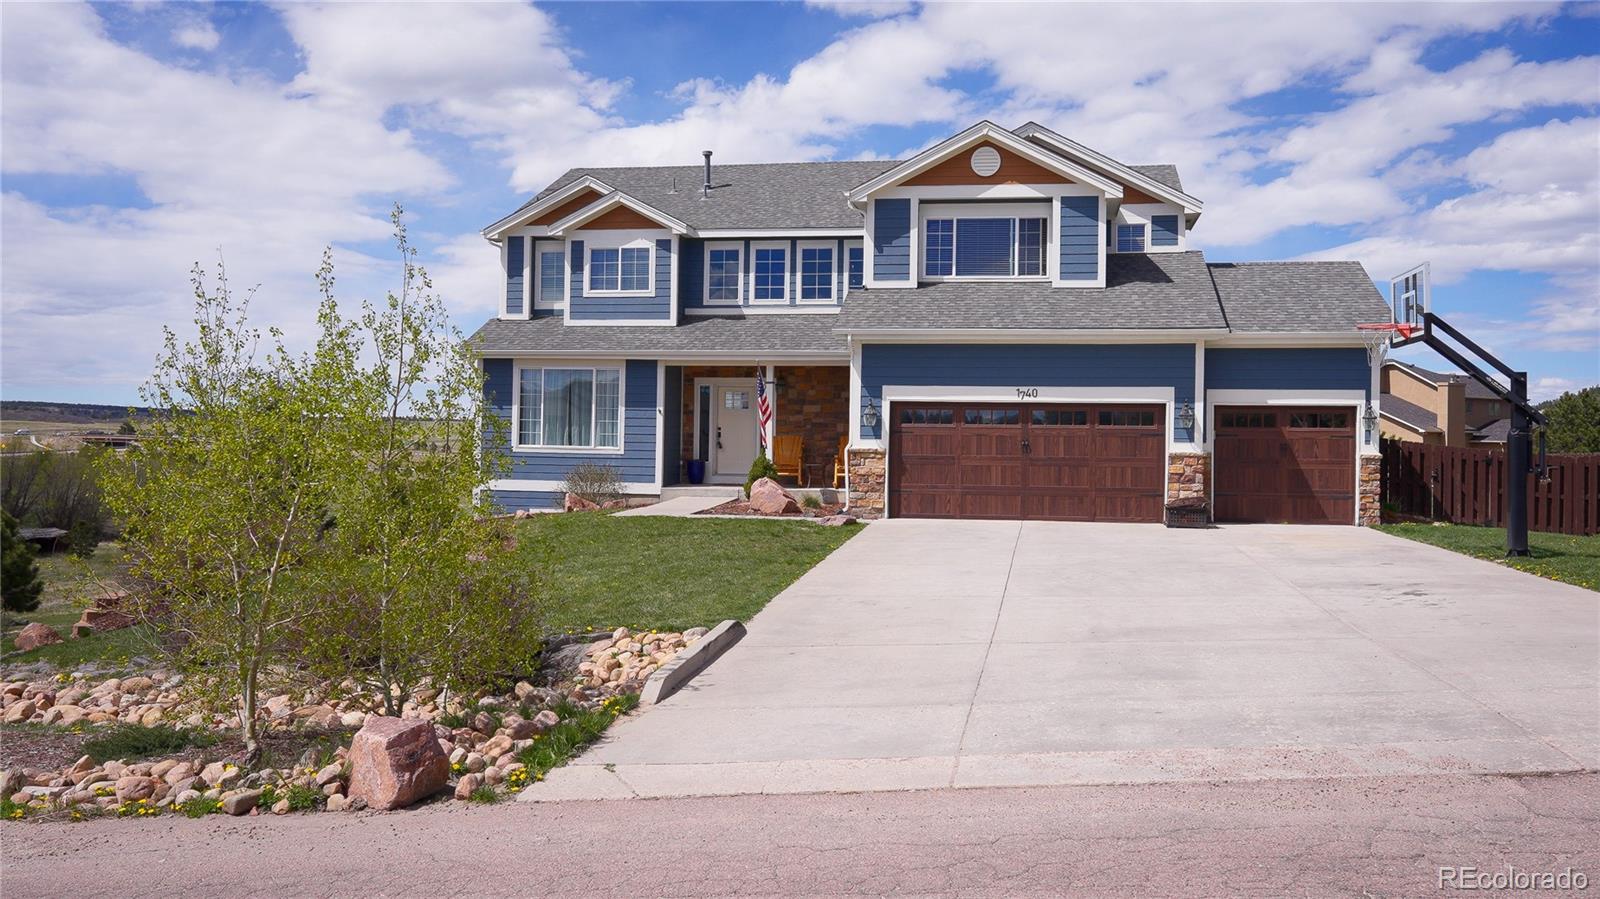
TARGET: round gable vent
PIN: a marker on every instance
(985, 161)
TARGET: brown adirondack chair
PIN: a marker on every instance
(788, 456)
(838, 464)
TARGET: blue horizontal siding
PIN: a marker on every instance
(1028, 365)
(514, 279)
(636, 463)
(516, 500)
(658, 306)
(1325, 368)
(1080, 238)
(891, 240)
(1163, 230)
(691, 272)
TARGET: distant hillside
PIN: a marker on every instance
(67, 413)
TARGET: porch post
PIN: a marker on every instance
(772, 393)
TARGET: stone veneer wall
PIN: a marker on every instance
(814, 402)
(1369, 491)
(1187, 475)
(866, 479)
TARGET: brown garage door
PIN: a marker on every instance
(1294, 465)
(992, 460)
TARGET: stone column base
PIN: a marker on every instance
(1369, 491)
(1188, 476)
(866, 476)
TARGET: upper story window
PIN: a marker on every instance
(1130, 238)
(984, 246)
(770, 274)
(816, 273)
(552, 275)
(619, 269)
(569, 408)
(723, 273)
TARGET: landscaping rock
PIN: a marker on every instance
(545, 720)
(834, 521)
(769, 498)
(576, 503)
(240, 802)
(329, 774)
(132, 788)
(395, 762)
(19, 711)
(281, 807)
(467, 784)
(34, 636)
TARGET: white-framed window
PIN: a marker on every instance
(1130, 238)
(619, 265)
(769, 272)
(550, 274)
(985, 242)
(724, 273)
(568, 407)
(818, 271)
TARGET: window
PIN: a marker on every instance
(984, 247)
(552, 276)
(569, 407)
(624, 269)
(1130, 238)
(927, 416)
(858, 268)
(771, 275)
(1127, 418)
(992, 416)
(1319, 420)
(1247, 419)
(736, 399)
(1067, 418)
(816, 274)
(723, 275)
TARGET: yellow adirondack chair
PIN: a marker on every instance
(838, 464)
(787, 456)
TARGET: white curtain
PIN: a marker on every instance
(568, 407)
(606, 407)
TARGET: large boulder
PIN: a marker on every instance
(395, 762)
(36, 635)
(769, 498)
(576, 503)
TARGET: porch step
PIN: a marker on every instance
(720, 492)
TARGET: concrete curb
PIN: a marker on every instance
(691, 661)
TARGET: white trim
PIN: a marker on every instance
(955, 213)
(982, 131)
(1145, 214)
(705, 263)
(855, 392)
(1144, 237)
(748, 381)
(1200, 434)
(1145, 183)
(759, 233)
(619, 241)
(505, 250)
(518, 366)
(832, 246)
(814, 307)
(1037, 335)
(788, 270)
(772, 425)
(661, 421)
(1291, 339)
(535, 263)
(496, 230)
(531, 485)
(610, 201)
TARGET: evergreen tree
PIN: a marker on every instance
(19, 575)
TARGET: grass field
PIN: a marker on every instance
(668, 573)
(69, 585)
(1560, 557)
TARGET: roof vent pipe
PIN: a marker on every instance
(706, 191)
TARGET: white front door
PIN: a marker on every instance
(735, 432)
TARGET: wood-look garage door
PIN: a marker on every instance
(1278, 464)
(1063, 462)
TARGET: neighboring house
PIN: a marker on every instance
(1422, 406)
(1006, 325)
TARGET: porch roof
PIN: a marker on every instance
(753, 337)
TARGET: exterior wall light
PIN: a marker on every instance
(1186, 416)
(869, 414)
(1370, 419)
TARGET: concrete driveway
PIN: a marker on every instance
(930, 654)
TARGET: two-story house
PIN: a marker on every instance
(1006, 325)
(1423, 406)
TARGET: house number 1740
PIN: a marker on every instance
(1027, 393)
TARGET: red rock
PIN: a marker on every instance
(576, 503)
(36, 635)
(396, 761)
(769, 498)
(101, 620)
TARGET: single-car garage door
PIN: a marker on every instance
(1285, 464)
(1072, 462)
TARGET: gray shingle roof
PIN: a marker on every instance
(709, 335)
(1160, 290)
(767, 195)
(1474, 390)
(1497, 431)
(1410, 413)
(1297, 296)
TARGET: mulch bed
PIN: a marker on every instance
(741, 507)
(39, 747)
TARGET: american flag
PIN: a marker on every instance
(763, 408)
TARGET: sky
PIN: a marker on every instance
(138, 139)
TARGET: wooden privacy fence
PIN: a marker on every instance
(1468, 486)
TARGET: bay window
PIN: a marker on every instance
(575, 408)
(984, 243)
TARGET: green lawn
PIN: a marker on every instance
(1575, 560)
(69, 584)
(668, 573)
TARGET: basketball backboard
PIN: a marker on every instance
(1409, 295)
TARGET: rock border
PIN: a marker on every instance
(669, 678)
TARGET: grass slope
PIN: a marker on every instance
(668, 573)
(69, 584)
(1560, 557)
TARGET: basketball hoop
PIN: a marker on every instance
(1379, 335)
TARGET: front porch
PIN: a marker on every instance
(717, 424)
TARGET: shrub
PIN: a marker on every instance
(83, 539)
(596, 483)
(19, 575)
(811, 501)
(762, 467)
(135, 741)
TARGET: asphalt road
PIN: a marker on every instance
(1316, 837)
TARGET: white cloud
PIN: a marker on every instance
(871, 9)
(197, 36)
(1542, 389)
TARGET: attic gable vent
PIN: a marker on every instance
(985, 161)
